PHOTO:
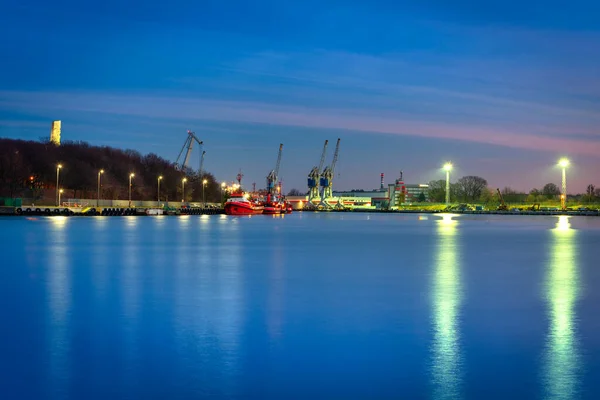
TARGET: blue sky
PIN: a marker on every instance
(502, 89)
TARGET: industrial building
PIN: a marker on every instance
(394, 195)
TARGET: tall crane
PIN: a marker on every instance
(201, 171)
(315, 175)
(274, 174)
(189, 142)
(327, 176)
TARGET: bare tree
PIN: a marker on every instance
(470, 188)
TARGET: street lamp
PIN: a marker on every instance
(563, 163)
(223, 185)
(448, 168)
(58, 167)
(158, 191)
(59, 193)
(99, 175)
(131, 175)
(204, 182)
(183, 181)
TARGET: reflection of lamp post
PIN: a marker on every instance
(59, 193)
(564, 163)
(99, 175)
(204, 182)
(58, 167)
(183, 181)
(448, 168)
(158, 191)
(130, 177)
(222, 188)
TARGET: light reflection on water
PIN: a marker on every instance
(130, 296)
(562, 357)
(59, 303)
(446, 292)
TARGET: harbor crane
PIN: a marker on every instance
(326, 180)
(274, 174)
(314, 176)
(189, 142)
(201, 171)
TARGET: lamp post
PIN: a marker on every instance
(58, 167)
(158, 191)
(183, 181)
(448, 168)
(131, 175)
(59, 193)
(564, 163)
(204, 182)
(99, 175)
(222, 188)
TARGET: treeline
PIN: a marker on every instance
(28, 169)
(474, 189)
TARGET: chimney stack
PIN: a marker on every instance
(381, 181)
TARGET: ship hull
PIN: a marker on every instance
(242, 208)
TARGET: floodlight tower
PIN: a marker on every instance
(563, 163)
(448, 168)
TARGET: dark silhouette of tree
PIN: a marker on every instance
(13, 171)
(421, 197)
(470, 188)
(590, 190)
(437, 191)
(295, 192)
(590, 194)
(550, 190)
(512, 196)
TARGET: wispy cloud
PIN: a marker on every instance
(199, 109)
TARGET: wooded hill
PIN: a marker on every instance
(28, 169)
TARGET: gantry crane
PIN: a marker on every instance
(314, 176)
(189, 142)
(274, 174)
(326, 180)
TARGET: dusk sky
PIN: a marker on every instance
(501, 89)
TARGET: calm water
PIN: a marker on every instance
(328, 306)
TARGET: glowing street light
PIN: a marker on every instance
(183, 181)
(448, 168)
(223, 185)
(59, 193)
(158, 190)
(204, 182)
(58, 167)
(99, 175)
(131, 175)
(564, 163)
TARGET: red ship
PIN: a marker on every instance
(276, 206)
(240, 203)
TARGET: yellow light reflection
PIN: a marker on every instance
(447, 293)
(59, 290)
(562, 355)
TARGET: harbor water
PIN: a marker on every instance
(306, 305)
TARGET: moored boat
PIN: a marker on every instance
(239, 204)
